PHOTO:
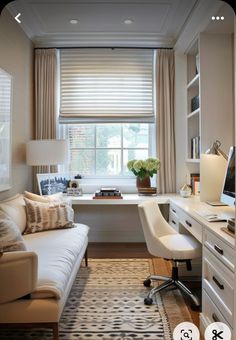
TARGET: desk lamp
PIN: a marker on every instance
(46, 152)
(212, 170)
(216, 150)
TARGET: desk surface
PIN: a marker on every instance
(87, 199)
(190, 205)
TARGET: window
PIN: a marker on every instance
(105, 149)
(106, 108)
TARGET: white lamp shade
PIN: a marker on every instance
(47, 152)
(212, 171)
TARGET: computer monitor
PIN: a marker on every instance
(228, 190)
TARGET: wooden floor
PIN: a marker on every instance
(127, 250)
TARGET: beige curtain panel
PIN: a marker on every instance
(165, 72)
(46, 99)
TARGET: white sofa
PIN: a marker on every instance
(35, 283)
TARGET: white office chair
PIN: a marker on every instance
(163, 241)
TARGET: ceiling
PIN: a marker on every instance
(155, 23)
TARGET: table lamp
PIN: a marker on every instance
(47, 152)
(212, 170)
(216, 150)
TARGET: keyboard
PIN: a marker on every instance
(210, 216)
(216, 203)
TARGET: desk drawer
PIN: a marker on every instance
(174, 210)
(174, 222)
(220, 249)
(191, 225)
(210, 312)
(174, 217)
(218, 283)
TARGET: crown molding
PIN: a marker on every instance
(100, 39)
(204, 10)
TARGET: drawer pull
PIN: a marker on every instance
(215, 317)
(173, 222)
(218, 249)
(174, 211)
(218, 283)
(188, 223)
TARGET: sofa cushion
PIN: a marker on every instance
(58, 197)
(57, 252)
(47, 216)
(10, 235)
(14, 207)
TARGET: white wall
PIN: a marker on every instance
(16, 58)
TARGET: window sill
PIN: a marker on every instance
(125, 185)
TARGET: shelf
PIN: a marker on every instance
(193, 160)
(191, 114)
(193, 82)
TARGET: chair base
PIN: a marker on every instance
(168, 281)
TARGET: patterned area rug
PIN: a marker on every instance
(106, 302)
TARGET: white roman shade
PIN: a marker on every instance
(106, 85)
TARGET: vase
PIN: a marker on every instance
(143, 183)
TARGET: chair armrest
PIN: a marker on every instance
(18, 273)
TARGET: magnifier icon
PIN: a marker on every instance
(186, 335)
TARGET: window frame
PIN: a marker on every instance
(63, 131)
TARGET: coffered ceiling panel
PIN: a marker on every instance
(102, 22)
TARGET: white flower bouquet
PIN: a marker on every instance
(144, 168)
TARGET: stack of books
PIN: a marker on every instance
(107, 193)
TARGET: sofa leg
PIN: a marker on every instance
(55, 331)
(86, 257)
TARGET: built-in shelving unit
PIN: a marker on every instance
(193, 105)
(209, 112)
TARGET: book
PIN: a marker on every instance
(107, 197)
(107, 193)
(108, 189)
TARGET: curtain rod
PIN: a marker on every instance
(111, 47)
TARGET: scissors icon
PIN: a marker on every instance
(217, 335)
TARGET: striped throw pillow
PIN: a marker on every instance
(10, 235)
(47, 216)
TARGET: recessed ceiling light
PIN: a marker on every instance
(128, 21)
(74, 21)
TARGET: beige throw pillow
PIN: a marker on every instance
(58, 197)
(47, 216)
(10, 235)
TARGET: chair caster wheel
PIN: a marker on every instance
(148, 301)
(147, 283)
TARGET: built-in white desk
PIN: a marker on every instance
(218, 256)
(133, 199)
(218, 247)
(193, 207)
